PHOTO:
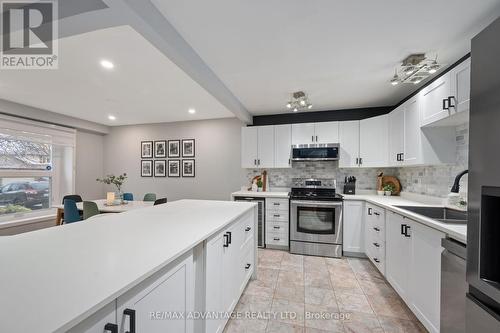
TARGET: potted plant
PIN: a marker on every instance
(118, 181)
(388, 189)
(259, 185)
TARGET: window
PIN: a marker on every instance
(36, 167)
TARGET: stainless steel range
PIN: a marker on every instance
(315, 218)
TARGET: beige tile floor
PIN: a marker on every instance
(295, 293)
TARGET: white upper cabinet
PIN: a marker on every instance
(303, 133)
(257, 147)
(349, 144)
(412, 132)
(444, 100)
(326, 132)
(374, 142)
(435, 100)
(460, 87)
(282, 146)
(265, 141)
(249, 148)
(396, 135)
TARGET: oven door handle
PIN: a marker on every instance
(316, 203)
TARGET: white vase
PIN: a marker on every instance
(388, 193)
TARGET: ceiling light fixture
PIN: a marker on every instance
(107, 64)
(111, 117)
(192, 111)
(298, 102)
(414, 69)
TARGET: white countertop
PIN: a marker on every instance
(51, 279)
(268, 194)
(103, 208)
(455, 231)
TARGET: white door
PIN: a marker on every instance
(282, 146)
(303, 133)
(353, 227)
(425, 275)
(249, 147)
(265, 158)
(374, 141)
(434, 99)
(349, 143)
(98, 321)
(460, 86)
(170, 292)
(412, 133)
(215, 287)
(397, 253)
(326, 132)
(396, 135)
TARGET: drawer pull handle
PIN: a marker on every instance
(376, 229)
(276, 239)
(376, 260)
(225, 241)
(247, 266)
(378, 214)
(248, 229)
(376, 244)
(131, 314)
(113, 328)
(276, 227)
(276, 215)
(276, 203)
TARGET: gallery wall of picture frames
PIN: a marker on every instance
(172, 158)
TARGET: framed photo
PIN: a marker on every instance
(146, 168)
(146, 149)
(187, 168)
(174, 168)
(174, 149)
(160, 168)
(188, 148)
(160, 149)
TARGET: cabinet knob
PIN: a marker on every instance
(131, 314)
(376, 244)
(378, 214)
(247, 266)
(376, 229)
(376, 260)
(248, 228)
(113, 328)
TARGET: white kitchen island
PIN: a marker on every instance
(139, 265)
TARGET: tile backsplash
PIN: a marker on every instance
(429, 180)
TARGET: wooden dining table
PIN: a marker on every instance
(104, 208)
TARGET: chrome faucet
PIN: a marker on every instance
(456, 185)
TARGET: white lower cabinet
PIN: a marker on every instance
(151, 306)
(413, 266)
(277, 223)
(375, 236)
(353, 225)
(230, 260)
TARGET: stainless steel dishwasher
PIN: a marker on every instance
(453, 286)
(261, 202)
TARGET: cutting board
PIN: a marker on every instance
(391, 180)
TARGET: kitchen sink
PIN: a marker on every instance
(442, 214)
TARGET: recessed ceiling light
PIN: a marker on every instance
(107, 64)
(192, 111)
(111, 117)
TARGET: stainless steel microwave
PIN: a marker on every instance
(315, 152)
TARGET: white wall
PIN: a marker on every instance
(89, 165)
(218, 167)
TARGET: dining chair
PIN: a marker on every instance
(89, 209)
(128, 196)
(71, 213)
(149, 197)
(160, 201)
(74, 197)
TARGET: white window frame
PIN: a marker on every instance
(54, 134)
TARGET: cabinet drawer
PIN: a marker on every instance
(274, 204)
(275, 238)
(277, 227)
(279, 216)
(377, 249)
(247, 267)
(379, 263)
(376, 232)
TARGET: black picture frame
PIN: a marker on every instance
(193, 167)
(146, 163)
(173, 162)
(187, 142)
(157, 148)
(144, 153)
(159, 163)
(174, 148)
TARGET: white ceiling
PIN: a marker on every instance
(144, 87)
(342, 53)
